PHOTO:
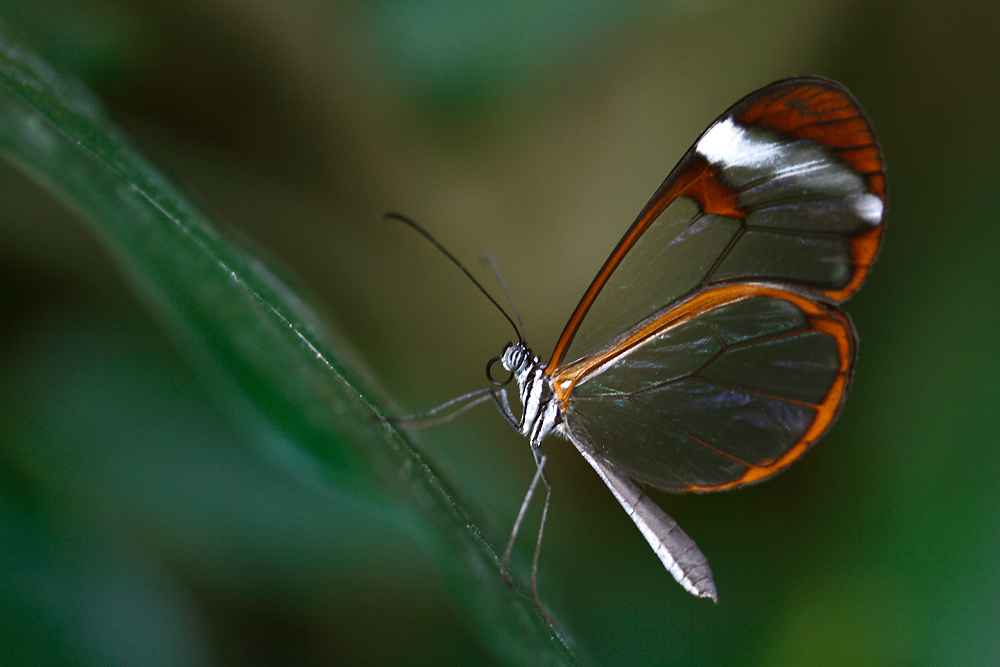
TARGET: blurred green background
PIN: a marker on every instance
(140, 525)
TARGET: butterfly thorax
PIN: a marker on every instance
(541, 409)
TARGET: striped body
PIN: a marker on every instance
(541, 411)
(542, 415)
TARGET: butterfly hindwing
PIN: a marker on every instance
(726, 388)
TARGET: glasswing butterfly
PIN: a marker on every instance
(709, 352)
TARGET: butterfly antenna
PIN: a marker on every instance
(423, 232)
(495, 268)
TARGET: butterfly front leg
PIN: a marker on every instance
(503, 406)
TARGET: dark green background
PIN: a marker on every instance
(141, 524)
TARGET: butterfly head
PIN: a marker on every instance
(516, 358)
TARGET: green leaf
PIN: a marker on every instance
(275, 364)
(88, 599)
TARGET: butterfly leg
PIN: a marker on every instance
(540, 460)
(503, 405)
(505, 563)
(430, 418)
(540, 476)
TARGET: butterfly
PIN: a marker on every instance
(709, 352)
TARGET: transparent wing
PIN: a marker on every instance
(785, 187)
(725, 388)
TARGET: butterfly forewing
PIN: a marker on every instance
(785, 187)
(726, 388)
